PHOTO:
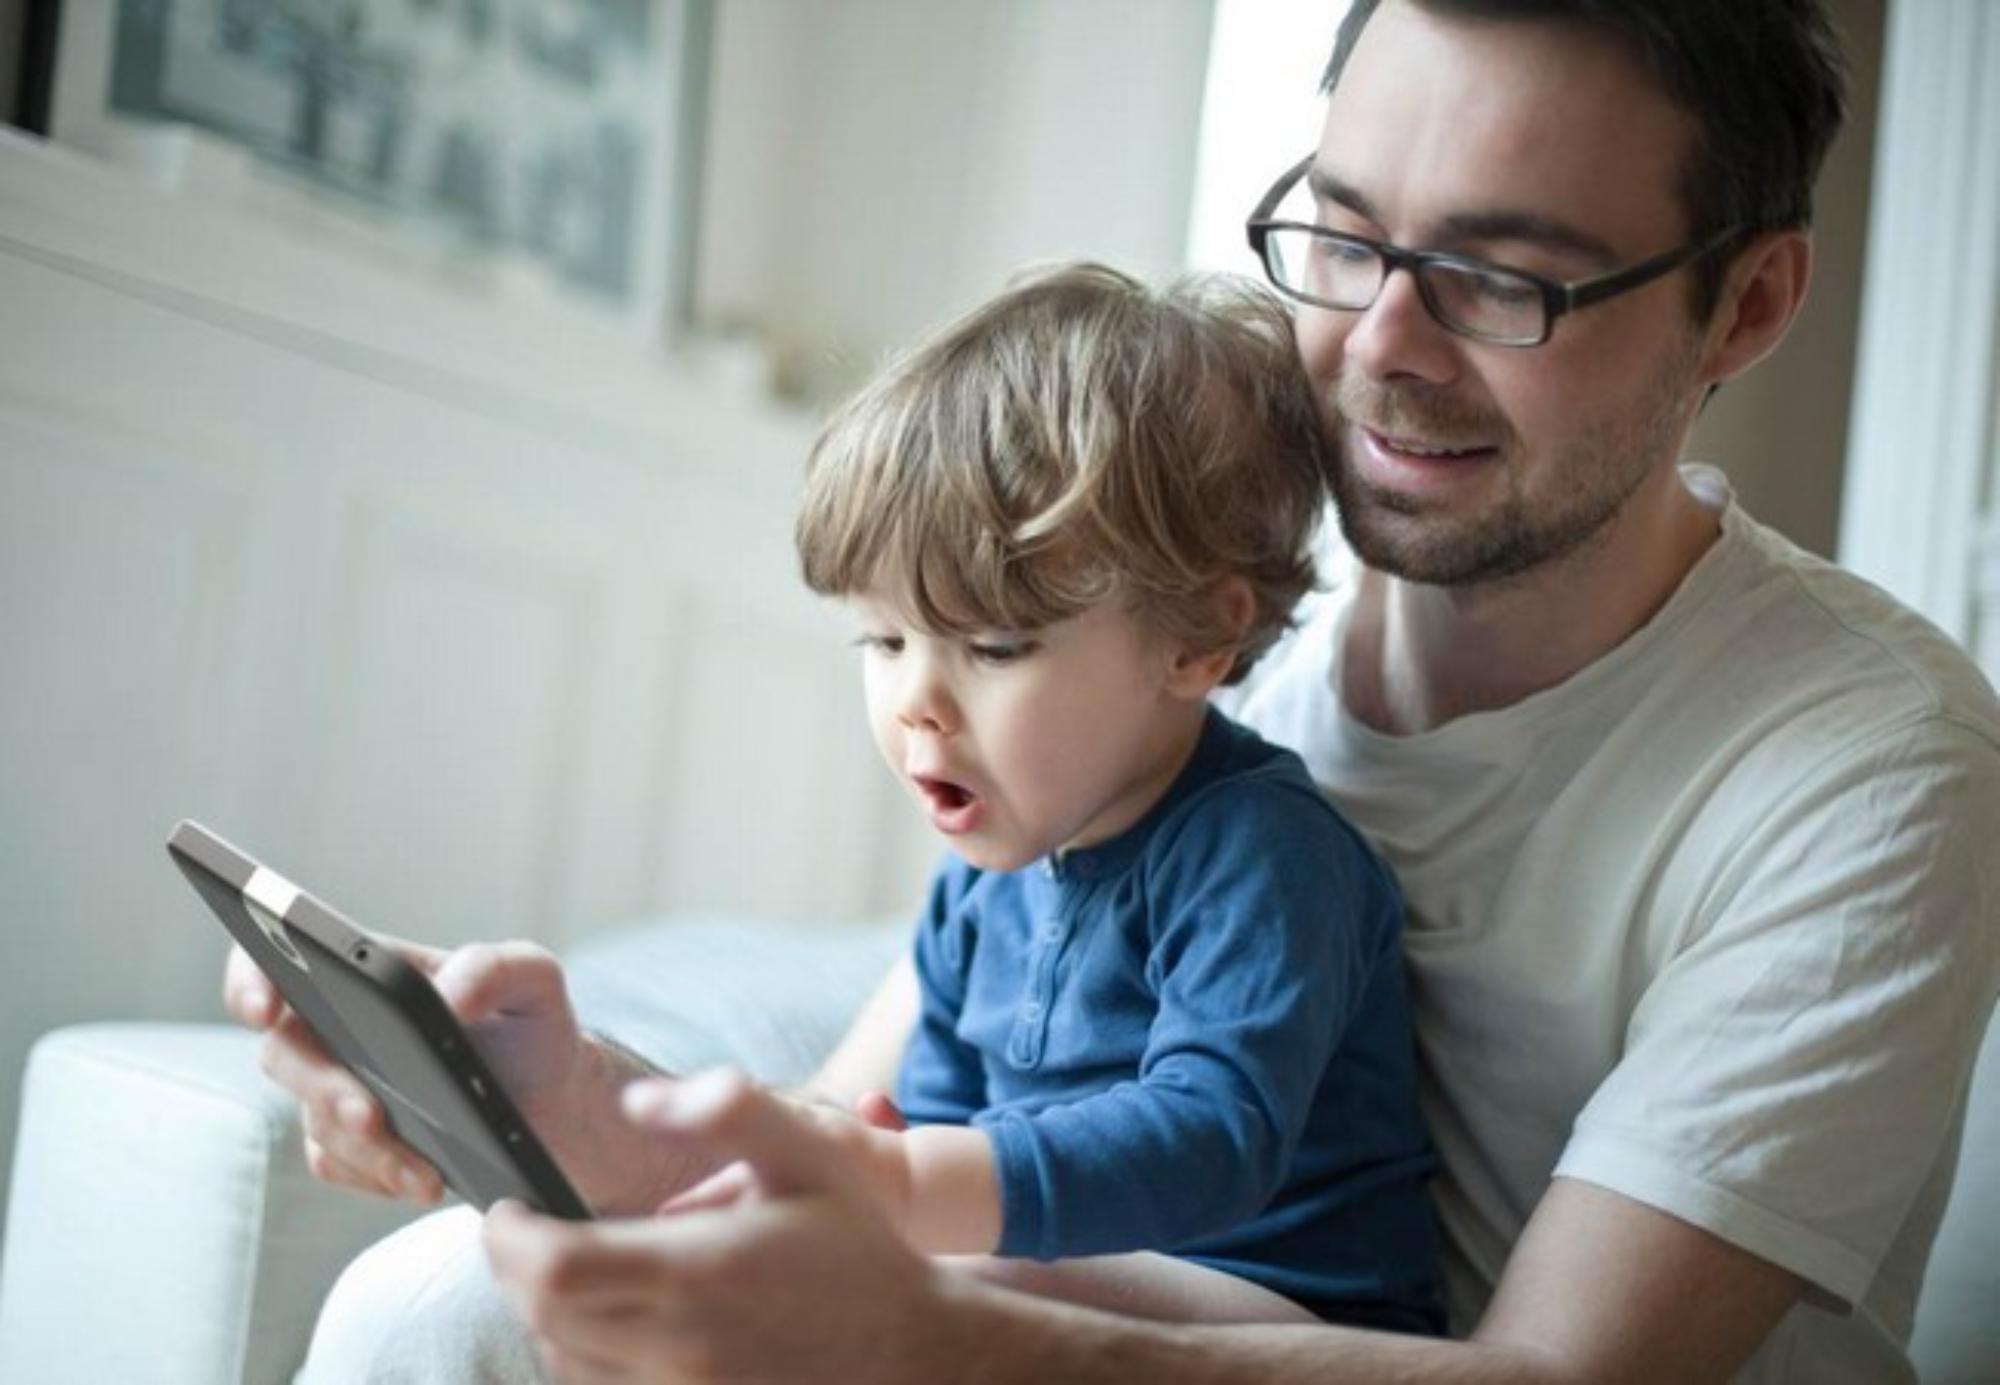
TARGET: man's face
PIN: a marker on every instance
(1541, 148)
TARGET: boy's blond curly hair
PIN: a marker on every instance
(1080, 438)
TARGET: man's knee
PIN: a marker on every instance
(420, 1305)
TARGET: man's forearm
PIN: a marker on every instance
(997, 1337)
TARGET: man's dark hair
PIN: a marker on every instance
(1764, 79)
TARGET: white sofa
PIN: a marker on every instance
(163, 1229)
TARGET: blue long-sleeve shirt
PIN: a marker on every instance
(1193, 1038)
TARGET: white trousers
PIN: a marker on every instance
(420, 1307)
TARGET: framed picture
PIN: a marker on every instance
(557, 137)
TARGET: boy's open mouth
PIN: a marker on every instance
(953, 807)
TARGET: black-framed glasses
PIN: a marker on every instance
(1486, 302)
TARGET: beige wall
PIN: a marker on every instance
(1781, 431)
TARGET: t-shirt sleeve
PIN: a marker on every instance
(1269, 916)
(1793, 1070)
(942, 1080)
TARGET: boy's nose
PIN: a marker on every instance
(925, 703)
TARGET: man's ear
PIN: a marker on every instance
(1194, 673)
(1763, 293)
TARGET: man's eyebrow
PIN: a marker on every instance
(1327, 188)
(1529, 228)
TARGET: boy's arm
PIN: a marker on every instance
(868, 1055)
(936, 1184)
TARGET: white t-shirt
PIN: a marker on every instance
(1714, 924)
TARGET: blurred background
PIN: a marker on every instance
(401, 403)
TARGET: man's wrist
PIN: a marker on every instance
(619, 1169)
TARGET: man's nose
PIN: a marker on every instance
(1396, 337)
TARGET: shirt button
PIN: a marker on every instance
(1032, 1011)
(1052, 933)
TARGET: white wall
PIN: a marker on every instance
(877, 165)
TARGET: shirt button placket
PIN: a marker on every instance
(1031, 1021)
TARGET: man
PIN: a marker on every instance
(1692, 827)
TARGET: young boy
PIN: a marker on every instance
(1163, 1000)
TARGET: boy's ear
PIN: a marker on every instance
(1196, 673)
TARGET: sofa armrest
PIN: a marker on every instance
(162, 1226)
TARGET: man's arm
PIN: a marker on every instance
(1600, 1289)
(802, 1279)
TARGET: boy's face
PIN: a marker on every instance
(1016, 745)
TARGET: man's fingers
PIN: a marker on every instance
(594, 1296)
(487, 979)
(391, 1177)
(349, 1141)
(546, 1261)
(247, 994)
(728, 1117)
(723, 1188)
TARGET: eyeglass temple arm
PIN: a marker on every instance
(1271, 199)
(1577, 296)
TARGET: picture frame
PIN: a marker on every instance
(556, 148)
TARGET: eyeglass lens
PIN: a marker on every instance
(1341, 273)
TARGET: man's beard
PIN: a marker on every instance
(1536, 520)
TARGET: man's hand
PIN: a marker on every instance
(936, 1185)
(742, 1292)
(511, 998)
(866, 1136)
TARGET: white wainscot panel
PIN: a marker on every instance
(441, 788)
(768, 800)
(118, 580)
(121, 572)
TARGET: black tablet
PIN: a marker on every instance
(384, 1020)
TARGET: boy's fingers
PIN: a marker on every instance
(880, 1110)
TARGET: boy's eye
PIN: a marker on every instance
(881, 644)
(1001, 651)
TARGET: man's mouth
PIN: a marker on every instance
(1400, 464)
(1425, 450)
